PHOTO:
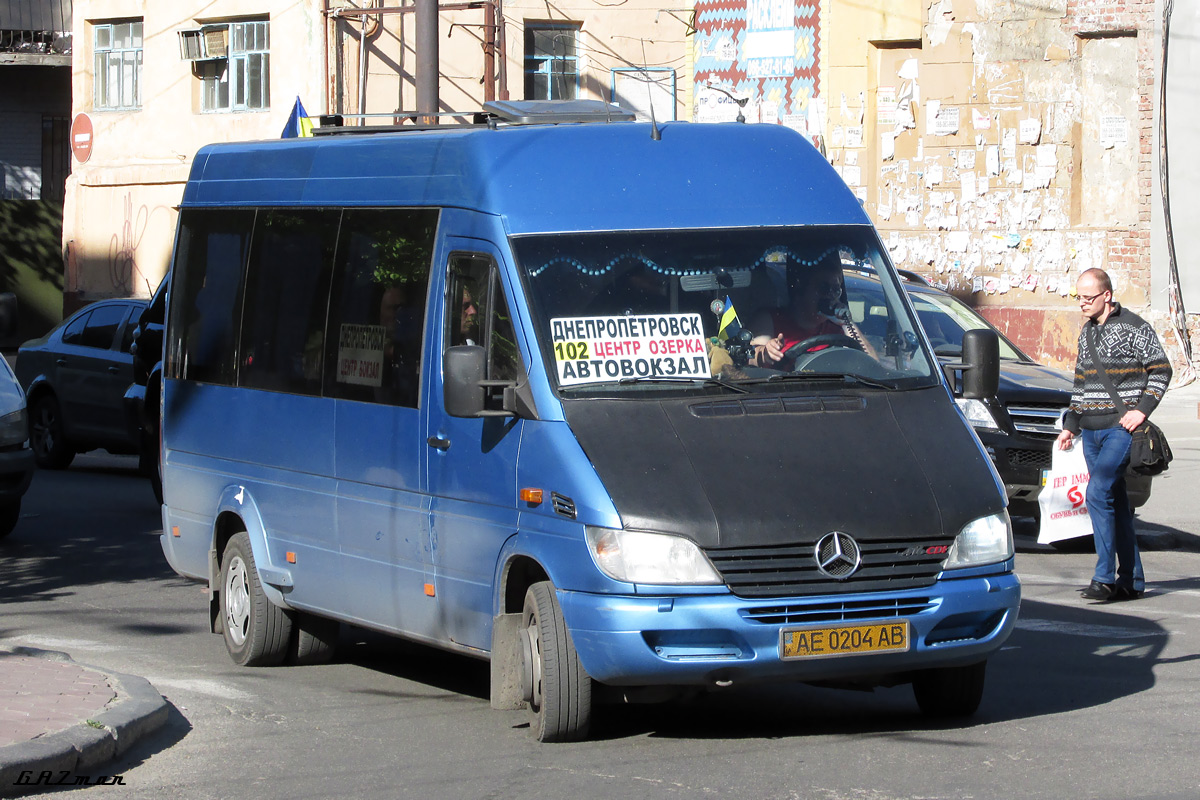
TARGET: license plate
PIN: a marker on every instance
(844, 640)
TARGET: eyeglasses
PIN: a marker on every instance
(1091, 298)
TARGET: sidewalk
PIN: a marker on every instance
(60, 721)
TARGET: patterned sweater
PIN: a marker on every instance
(1135, 362)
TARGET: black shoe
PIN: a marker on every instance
(1103, 592)
(1127, 593)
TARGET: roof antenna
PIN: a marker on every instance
(655, 133)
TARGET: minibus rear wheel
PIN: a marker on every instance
(257, 632)
(950, 691)
(559, 690)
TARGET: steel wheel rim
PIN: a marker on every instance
(535, 666)
(237, 601)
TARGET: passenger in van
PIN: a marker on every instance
(816, 296)
(401, 349)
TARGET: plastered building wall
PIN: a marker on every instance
(119, 217)
(1001, 147)
(646, 43)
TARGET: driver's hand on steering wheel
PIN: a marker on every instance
(771, 353)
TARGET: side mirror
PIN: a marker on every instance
(981, 364)
(463, 371)
(8, 314)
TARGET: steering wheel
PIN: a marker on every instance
(817, 343)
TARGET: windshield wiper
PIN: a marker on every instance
(839, 377)
(711, 381)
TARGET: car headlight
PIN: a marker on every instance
(655, 558)
(14, 428)
(978, 414)
(987, 540)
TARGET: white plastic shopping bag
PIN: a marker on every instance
(1061, 501)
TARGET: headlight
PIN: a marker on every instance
(987, 540)
(978, 414)
(14, 428)
(653, 558)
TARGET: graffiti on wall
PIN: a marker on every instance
(125, 278)
(760, 58)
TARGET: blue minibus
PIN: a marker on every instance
(552, 390)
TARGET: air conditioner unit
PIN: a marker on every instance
(204, 44)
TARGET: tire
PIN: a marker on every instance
(560, 691)
(9, 514)
(256, 631)
(46, 437)
(950, 691)
(314, 640)
(149, 467)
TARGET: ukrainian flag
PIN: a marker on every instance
(730, 327)
(298, 123)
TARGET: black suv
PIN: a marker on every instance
(142, 404)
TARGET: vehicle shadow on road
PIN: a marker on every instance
(95, 523)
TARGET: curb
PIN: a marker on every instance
(138, 709)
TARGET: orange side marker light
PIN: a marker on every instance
(532, 496)
(429, 592)
(175, 531)
(291, 557)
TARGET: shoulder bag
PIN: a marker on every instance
(1149, 453)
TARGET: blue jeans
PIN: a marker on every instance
(1107, 455)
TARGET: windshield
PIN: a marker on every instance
(945, 319)
(759, 309)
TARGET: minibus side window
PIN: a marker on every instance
(206, 299)
(286, 299)
(477, 313)
(377, 305)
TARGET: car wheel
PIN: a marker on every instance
(558, 690)
(950, 691)
(9, 514)
(257, 632)
(50, 448)
(314, 640)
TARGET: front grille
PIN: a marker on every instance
(838, 611)
(791, 570)
(1039, 420)
(1030, 459)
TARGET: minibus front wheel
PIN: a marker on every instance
(257, 632)
(557, 688)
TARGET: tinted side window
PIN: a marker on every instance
(377, 306)
(286, 298)
(102, 326)
(206, 304)
(73, 333)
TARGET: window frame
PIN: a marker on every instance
(543, 64)
(228, 84)
(129, 57)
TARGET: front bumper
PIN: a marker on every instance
(701, 639)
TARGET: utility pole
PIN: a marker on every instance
(428, 60)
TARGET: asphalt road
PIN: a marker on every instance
(1085, 701)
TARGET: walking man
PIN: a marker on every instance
(1121, 374)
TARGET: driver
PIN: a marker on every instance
(815, 296)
